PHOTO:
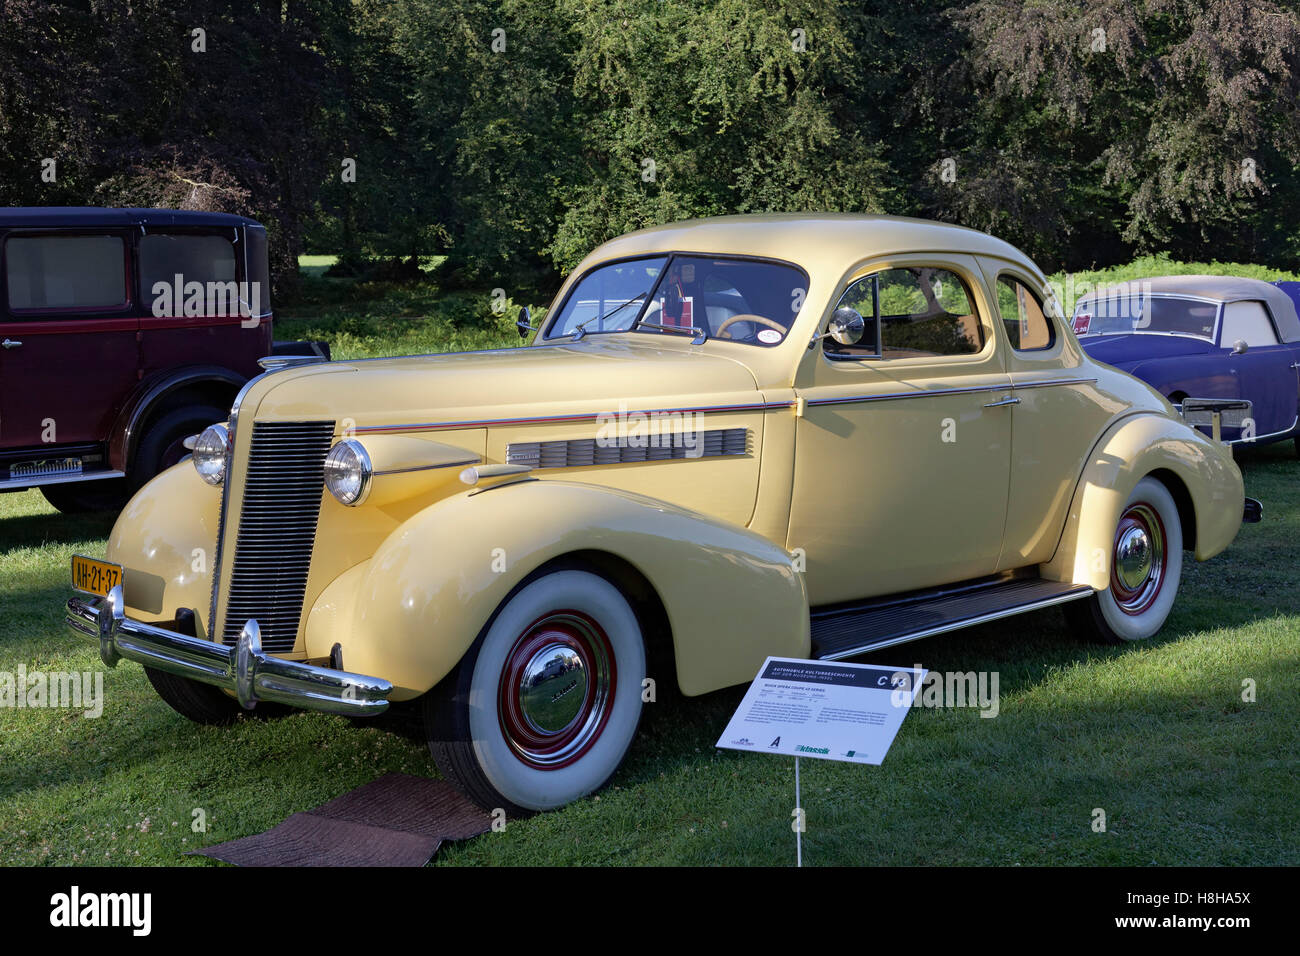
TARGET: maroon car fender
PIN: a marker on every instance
(152, 392)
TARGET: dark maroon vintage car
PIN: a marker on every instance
(123, 332)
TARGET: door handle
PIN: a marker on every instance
(1295, 364)
(1005, 401)
(10, 344)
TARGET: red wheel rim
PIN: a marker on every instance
(1139, 559)
(556, 689)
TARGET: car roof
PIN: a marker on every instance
(1216, 289)
(836, 240)
(27, 217)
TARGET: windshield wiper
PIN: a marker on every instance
(581, 329)
(700, 335)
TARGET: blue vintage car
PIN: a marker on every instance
(1205, 337)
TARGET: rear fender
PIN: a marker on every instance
(1200, 473)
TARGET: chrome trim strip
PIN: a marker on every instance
(1055, 381)
(576, 417)
(923, 393)
(446, 464)
(245, 668)
(1082, 592)
(927, 393)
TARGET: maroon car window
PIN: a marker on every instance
(65, 273)
(167, 261)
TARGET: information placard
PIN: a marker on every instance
(823, 709)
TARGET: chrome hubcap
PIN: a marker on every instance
(1133, 557)
(553, 688)
(556, 689)
(1138, 564)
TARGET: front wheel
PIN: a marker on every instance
(544, 705)
(1146, 561)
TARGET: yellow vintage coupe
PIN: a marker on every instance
(805, 436)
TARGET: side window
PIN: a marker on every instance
(65, 273)
(1247, 322)
(920, 311)
(208, 260)
(1027, 326)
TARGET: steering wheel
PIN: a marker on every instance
(743, 317)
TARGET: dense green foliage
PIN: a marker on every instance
(512, 135)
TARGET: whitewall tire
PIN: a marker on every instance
(1145, 564)
(543, 707)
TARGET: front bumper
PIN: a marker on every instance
(244, 669)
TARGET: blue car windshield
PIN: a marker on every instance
(1123, 313)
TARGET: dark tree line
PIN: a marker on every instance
(512, 135)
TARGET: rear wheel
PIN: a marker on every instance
(544, 705)
(1146, 562)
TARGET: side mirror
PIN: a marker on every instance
(525, 322)
(1239, 347)
(846, 326)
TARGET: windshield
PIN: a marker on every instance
(733, 299)
(1111, 315)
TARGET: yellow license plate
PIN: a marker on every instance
(94, 577)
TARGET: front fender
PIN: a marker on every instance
(164, 538)
(409, 613)
(1134, 447)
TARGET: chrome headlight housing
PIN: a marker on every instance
(348, 472)
(209, 453)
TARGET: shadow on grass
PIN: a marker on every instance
(37, 530)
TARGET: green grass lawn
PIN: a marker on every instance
(1157, 735)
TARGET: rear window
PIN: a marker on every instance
(168, 262)
(65, 273)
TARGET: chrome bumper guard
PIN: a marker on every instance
(251, 675)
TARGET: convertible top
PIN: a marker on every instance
(42, 217)
(1220, 289)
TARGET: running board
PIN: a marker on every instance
(842, 632)
(24, 482)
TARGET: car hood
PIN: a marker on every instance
(592, 376)
(1127, 349)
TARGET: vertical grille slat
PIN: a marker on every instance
(277, 530)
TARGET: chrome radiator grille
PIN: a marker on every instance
(277, 530)
(580, 452)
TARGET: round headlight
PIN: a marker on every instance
(348, 472)
(210, 454)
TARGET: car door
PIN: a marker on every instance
(195, 283)
(68, 330)
(1057, 413)
(902, 444)
(1265, 373)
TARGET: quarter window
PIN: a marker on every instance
(65, 273)
(1247, 322)
(1027, 326)
(202, 259)
(920, 312)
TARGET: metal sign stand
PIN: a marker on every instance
(798, 819)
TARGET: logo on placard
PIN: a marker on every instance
(742, 742)
(775, 743)
(805, 749)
